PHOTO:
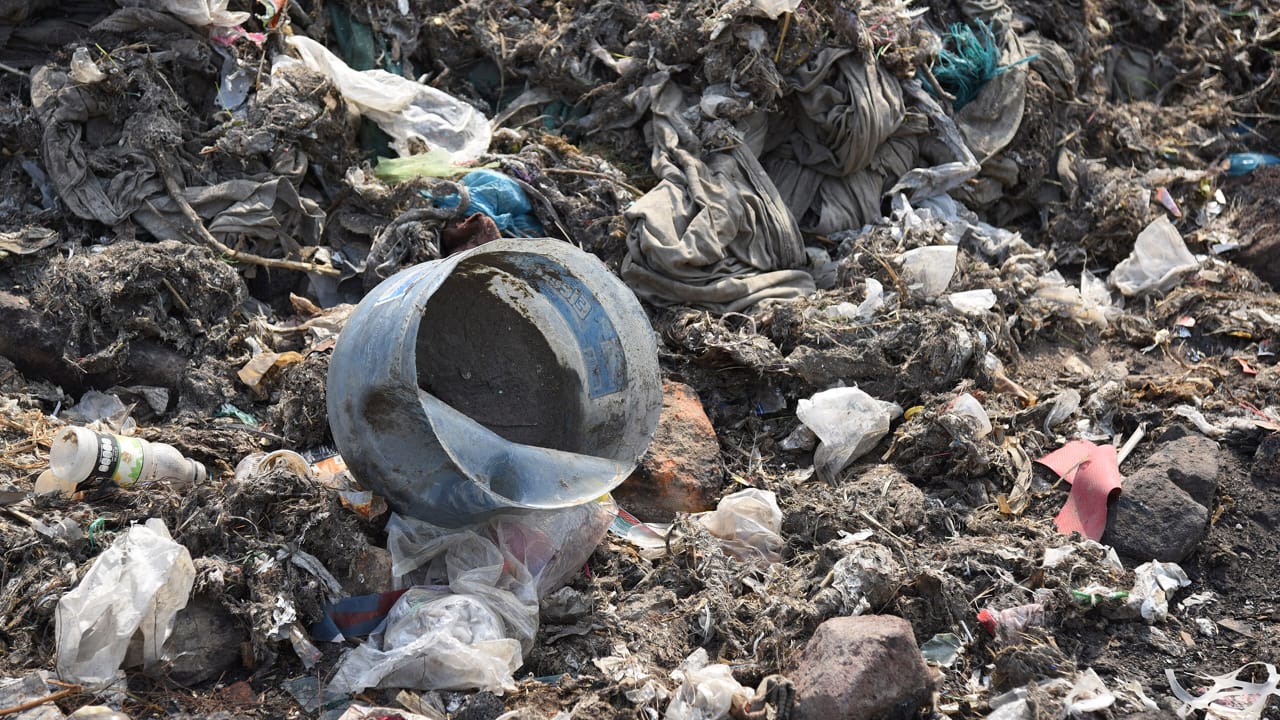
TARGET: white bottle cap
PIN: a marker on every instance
(73, 454)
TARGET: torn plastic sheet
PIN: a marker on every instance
(1228, 698)
(1158, 259)
(1094, 474)
(413, 114)
(849, 422)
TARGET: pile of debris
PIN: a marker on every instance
(696, 360)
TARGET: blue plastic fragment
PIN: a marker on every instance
(502, 199)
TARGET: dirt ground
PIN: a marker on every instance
(213, 320)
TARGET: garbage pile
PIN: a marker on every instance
(784, 359)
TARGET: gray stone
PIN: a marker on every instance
(1155, 519)
(205, 642)
(1266, 461)
(1191, 463)
(860, 668)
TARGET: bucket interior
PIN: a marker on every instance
(481, 350)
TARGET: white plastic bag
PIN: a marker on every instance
(473, 612)
(849, 422)
(928, 270)
(749, 522)
(122, 612)
(434, 640)
(1159, 257)
(706, 692)
(1153, 583)
(410, 112)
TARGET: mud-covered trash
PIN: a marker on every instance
(122, 612)
(516, 375)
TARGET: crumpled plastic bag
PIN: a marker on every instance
(435, 640)
(413, 114)
(122, 612)
(849, 422)
(502, 199)
(1153, 583)
(473, 610)
(748, 522)
(706, 692)
(1158, 259)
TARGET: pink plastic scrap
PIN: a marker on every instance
(1094, 475)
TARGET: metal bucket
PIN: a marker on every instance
(518, 374)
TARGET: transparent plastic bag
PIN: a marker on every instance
(472, 612)
(122, 612)
(410, 112)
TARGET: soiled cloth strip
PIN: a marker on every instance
(844, 141)
(271, 210)
(713, 233)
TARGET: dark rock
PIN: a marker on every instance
(1155, 519)
(1191, 463)
(1266, 461)
(860, 668)
(205, 642)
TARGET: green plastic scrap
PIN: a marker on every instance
(1093, 596)
(231, 411)
(943, 649)
(435, 163)
(968, 61)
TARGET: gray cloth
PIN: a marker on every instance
(70, 159)
(713, 233)
(107, 172)
(841, 143)
(271, 211)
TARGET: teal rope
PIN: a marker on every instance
(968, 61)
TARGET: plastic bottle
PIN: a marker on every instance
(79, 454)
(1245, 163)
(1008, 623)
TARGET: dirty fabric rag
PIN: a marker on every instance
(714, 232)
